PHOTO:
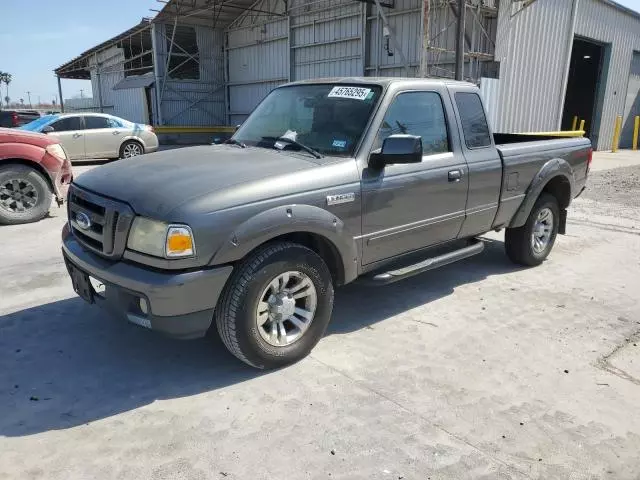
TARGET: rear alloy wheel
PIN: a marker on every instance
(530, 244)
(25, 195)
(131, 149)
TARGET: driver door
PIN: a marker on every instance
(411, 206)
(70, 131)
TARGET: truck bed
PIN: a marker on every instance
(522, 158)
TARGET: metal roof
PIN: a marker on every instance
(207, 12)
(78, 67)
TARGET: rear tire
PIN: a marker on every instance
(131, 148)
(531, 244)
(282, 284)
(25, 195)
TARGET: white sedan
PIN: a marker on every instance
(97, 135)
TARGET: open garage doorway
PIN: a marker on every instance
(585, 86)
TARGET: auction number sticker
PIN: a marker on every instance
(356, 93)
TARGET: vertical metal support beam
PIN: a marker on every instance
(291, 53)
(60, 95)
(563, 91)
(379, 43)
(364, 39)
(424, 56)
(167, 63)
(227, 91)
(99, 82)
(156, 73)
(392, 37)
(636, 128)
(460, 40)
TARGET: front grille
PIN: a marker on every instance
(108, 226)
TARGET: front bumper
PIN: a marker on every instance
(180, 304)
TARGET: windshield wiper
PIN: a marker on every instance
(290, 141)
(233, 141)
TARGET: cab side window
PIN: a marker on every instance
(67, 124)
(474, 122)
(417, 113)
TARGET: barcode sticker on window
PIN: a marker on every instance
(356, 93)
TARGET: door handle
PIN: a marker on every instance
(116, 133)
(455, 175)
(76, 135)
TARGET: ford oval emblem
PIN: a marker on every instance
(83, 220)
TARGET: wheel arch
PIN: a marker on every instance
(556, 178)
(31, 164)
(313, 227)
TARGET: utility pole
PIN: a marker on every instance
(460, 40)
(29, 97)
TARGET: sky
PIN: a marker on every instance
(39, 35)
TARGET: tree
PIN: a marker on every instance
(6, 79)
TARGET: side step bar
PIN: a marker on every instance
(392, 276)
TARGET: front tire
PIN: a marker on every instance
(276, 305)
(25, 195)
(531, 244)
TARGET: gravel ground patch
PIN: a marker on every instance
(620, 185)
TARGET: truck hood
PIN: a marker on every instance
(155, 184)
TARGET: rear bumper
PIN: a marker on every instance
(180, 304)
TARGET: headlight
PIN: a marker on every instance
(160, 239)
(57, 151)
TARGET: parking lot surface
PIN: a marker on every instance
(477, 370)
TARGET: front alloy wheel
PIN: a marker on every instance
(276, 305)
(286, 308)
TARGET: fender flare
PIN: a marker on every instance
(557, 167)
(288, 219)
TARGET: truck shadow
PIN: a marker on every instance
(65, 364)
(359, 306)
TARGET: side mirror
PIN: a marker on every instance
(397, 149)
(48, 129)
(237, 127)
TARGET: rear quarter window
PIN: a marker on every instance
(474, 122)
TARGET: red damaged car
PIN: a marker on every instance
(33, 167)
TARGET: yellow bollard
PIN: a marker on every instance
(636, 127)
(616, 134)
(574, 124)
(581, 126)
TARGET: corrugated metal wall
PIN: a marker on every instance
(193, 102)
(316, 39)
(129, 104)
(532, 48)
(632, 103)
(326, 39)
(405, 21)
(604, 23)
(258, 61)
(490, 92)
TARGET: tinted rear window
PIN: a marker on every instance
(474, 122)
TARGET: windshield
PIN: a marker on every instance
(36, 125)
(329, 119)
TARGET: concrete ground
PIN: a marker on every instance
(478, 370)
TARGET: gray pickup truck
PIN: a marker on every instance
(326, 182)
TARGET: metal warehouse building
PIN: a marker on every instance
(539, 63)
